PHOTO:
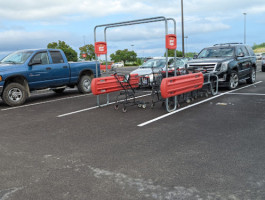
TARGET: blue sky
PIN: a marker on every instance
(28, 24)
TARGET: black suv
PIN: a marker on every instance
(232, 62)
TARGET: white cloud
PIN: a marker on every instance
(207, 27)
(14, 40)
(201, 16)
(256, 9)
(66, 9)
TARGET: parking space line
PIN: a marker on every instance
(44, 102)
(195, 104)
(91, 108)
(248, 94)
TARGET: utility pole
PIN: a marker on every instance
(245, 16)
(186, 37)
(182, 21)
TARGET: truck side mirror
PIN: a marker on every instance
(241, 54)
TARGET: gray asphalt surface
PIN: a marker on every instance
(213, 151)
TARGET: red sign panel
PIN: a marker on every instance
(84, 55)
(171, 41)
(100, 48)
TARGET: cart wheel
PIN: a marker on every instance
(116, 107)
(188, 101)
(178, 106)
(195, 97)
(192, 99)
(139, 105)
(144, 106)
(124, 109)
(206, 95)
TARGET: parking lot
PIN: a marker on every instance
(65, 147)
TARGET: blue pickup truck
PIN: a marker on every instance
(27, 70)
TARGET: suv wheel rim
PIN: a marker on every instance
(15, 94)
(234, 80)
(86, 84)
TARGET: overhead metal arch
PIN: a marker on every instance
(136, 22)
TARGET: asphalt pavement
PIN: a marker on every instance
(66, 147)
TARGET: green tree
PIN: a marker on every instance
(139, 61)
(89, 50)
(179, 53)
(172, 54)
(256, 46)
(190, 54)
(70, 54)
(124, 55)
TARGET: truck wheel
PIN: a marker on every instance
(263, 68)
(59, 91)
(233, 80)
(14, 94)
(252, 77)
(84, 85)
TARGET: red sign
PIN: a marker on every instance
(171, 41)
(84, 55)
(100, 48)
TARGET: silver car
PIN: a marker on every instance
(152, 67)
(263, 63)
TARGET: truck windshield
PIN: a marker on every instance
(216, 52)
(18, 57)
(156, 63)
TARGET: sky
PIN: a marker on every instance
(31, 24)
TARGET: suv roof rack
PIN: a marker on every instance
(223, 44)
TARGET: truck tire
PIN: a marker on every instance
(58, 91)
(263, 68)
(233, 80)
(84, 84)
(14, 94)
(252, 77)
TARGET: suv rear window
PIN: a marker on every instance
(56, 57)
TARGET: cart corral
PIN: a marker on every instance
(187, 85)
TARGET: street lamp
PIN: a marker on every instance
(84, 37)
(132, 46)
(182, 21)
(186, 37)
(245, 16)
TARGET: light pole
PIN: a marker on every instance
(132, 46)
(182, 22)
(245, 16)
(186, 37)
(84, 37)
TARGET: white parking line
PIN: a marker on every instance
(44, 102)
(249, 94)
(190, 106)
(91, 108)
